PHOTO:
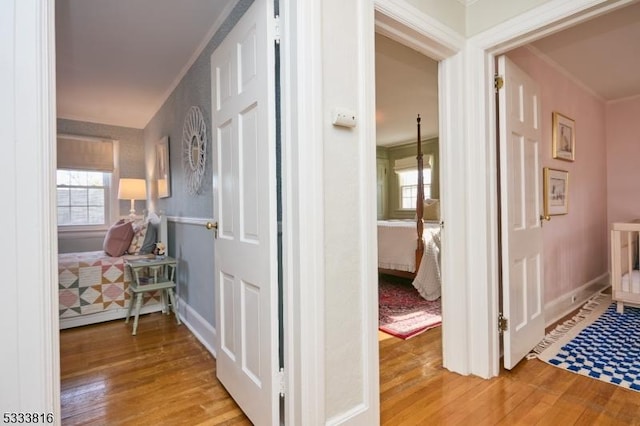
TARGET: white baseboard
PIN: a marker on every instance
(108, 315)
(565, 304)
(200, 328)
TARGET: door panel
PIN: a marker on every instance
(227, 317)
(226, 174)
(244, 184)
(249, 175)
(521, 192)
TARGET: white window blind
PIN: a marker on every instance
(79, 153)
(411, 163)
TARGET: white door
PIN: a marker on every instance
(521, 227)
(243, 123)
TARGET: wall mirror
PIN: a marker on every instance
(194, 148)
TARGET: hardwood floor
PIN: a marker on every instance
(164, 376)
(416, 390)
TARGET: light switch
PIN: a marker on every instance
(343, 117)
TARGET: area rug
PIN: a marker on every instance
(403, 312)
(598, 343)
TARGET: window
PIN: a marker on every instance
(83, 197)
(86, 168)
(408, 180)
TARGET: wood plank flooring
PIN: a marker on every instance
(164, 376)
(415, 389)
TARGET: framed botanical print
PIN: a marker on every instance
(564, 137)
(556, 191)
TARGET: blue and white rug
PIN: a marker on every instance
(598, 343)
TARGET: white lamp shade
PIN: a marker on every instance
(132, 189)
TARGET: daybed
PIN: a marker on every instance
(93, 286)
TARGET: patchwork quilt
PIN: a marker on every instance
(91, 282)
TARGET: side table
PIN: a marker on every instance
(152, 274)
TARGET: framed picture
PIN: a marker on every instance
(556, 192)
(163, 171)
(564, 137)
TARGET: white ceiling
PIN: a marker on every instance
(602, 55)
(118, 60)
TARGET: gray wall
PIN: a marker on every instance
(193, 247)
(191, 244)
(132, 165)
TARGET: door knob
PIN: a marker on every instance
(543, 218)
(214, 226)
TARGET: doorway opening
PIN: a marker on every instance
(407, 97)
(575, 270)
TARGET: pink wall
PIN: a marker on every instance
(623, 160)
(575, 245)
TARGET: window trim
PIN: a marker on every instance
(399, 171)
(108, 207)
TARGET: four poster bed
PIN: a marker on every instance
(411, 249)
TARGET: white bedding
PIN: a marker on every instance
(397, 248)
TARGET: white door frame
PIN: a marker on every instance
(414, 29)
(480, 53)
(30, 369)
(302, 210)
(32, 40)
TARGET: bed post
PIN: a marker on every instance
(419, 201)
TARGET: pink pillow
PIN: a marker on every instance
(118, 238)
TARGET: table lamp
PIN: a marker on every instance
(132, 189)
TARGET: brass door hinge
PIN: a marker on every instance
(498, 82)
(503, 323)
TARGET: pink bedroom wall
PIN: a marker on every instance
(623, 155)
(575, 245)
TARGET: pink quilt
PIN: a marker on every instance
(92, 282)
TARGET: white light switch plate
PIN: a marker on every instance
(343, 117)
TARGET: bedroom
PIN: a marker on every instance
(406, 85)
(95, 106)
(93, 102)
(576, 251)
(472, 173)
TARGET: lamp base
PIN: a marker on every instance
(132, 211)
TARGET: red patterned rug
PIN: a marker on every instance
(402, 311)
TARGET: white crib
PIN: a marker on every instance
(625, 258)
